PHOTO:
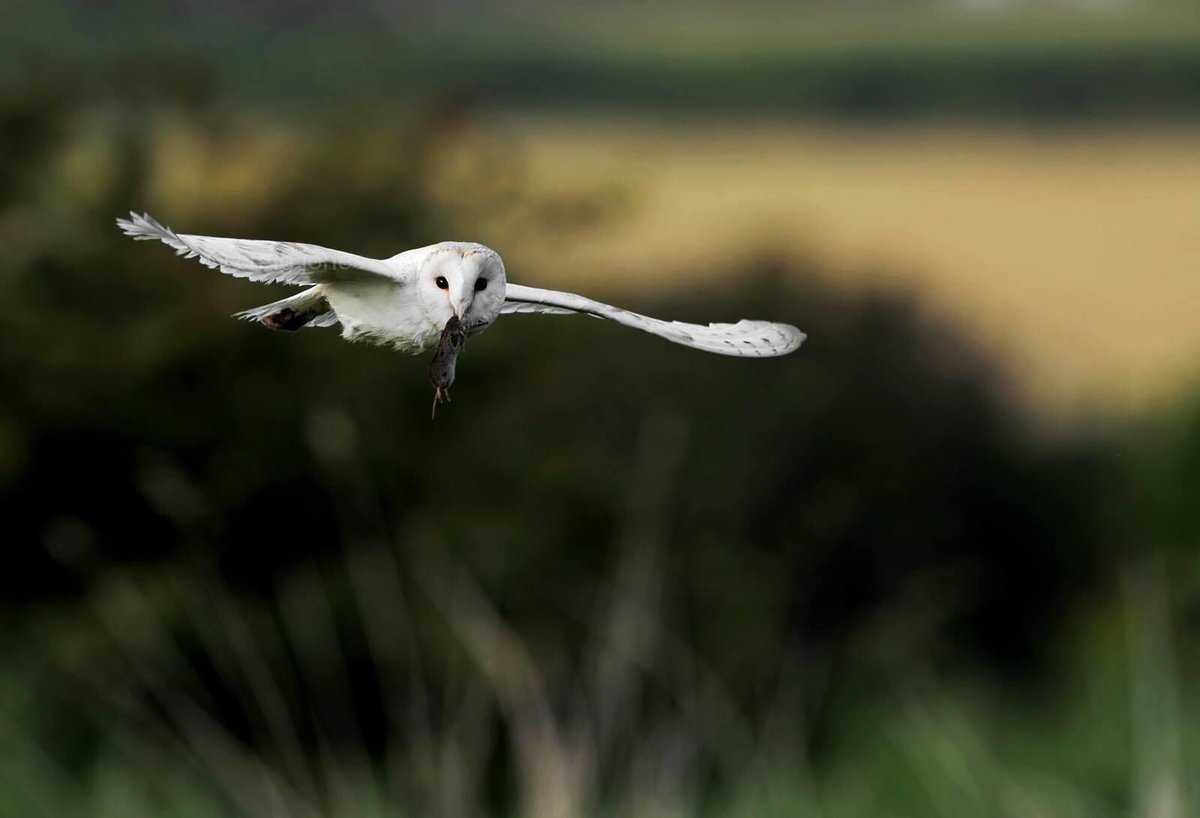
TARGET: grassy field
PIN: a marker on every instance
(1075, 254)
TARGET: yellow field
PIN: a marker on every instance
(1075, 255)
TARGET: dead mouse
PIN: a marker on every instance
(441, 370)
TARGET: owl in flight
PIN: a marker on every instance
(428, 298)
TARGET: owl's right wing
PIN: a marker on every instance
(264, 261)
(746, 339)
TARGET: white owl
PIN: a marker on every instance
(407, 301)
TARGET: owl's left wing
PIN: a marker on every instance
(748, 339)
(268, 262)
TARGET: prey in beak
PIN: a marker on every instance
(441, 370)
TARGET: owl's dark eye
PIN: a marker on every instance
(480, 284)
(442, 283)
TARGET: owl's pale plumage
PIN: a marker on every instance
(405, 301)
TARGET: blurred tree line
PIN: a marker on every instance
(1036, 63)
(873, 506)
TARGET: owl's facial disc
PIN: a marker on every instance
(464, 284)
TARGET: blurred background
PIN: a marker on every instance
(942, 561)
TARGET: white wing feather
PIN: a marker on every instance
(264, 261)
(307, 302)
(747, 339)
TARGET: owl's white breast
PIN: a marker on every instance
(382, 312)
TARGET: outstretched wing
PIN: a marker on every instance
(265, 261)
(749, 339)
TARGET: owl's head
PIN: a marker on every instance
(463, 280)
